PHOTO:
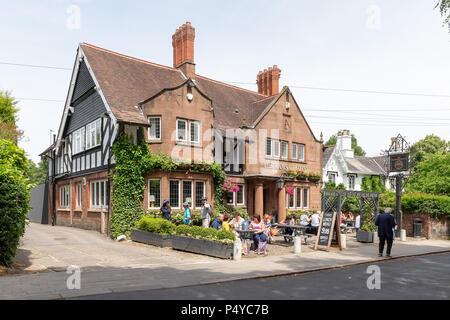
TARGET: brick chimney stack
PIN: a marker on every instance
(183, 49)
(268, 81)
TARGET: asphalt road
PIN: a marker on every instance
(425, 277)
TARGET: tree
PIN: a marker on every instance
(431, 144)
(8, 118)
(444, 7)
(357, 149)
(373, 184)
(431, 175)
(38, 173)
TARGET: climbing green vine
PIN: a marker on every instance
(133, 162)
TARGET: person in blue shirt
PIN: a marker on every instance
(217, 223)
(187, 214)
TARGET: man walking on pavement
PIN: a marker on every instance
(385, 223)
(206, 213)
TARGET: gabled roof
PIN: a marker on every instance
(228, 99)
(125, 81)
(327, 152)
(369, 165)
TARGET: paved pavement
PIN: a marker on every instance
(108, 266)
(418, 278)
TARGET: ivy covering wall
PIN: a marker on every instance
(133, 162)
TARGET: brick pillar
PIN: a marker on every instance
(281, 204)
(259, 199)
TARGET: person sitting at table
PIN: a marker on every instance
(217, 223)
(237, 221)
(259, 235)
(267, 220)
(305, 220)
(315, 222)
(350, 216)
(343, 219)
(225, 223)
(289, 221)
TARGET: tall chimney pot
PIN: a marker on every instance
(268, 81)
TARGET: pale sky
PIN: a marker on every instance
(378, 45)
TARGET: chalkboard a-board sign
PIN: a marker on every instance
(328, 225)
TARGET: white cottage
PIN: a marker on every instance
(340, 165)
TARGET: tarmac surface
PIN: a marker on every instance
(107, 266)
(415, 278)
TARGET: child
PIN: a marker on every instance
(187, 214)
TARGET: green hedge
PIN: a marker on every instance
(156, 225)
(162, 226)
(436, 206)
(14, 199)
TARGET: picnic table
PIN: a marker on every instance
(245, 234)
(349, 225)
(297, 231)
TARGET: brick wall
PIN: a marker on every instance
(431, 228)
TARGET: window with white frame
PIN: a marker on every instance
(284, 149)
(93, 134)
(268, 147)
(174, 194)
(301, 152)
(294, 151)
(291, 200)
(64, 196)
(154, 193)
(195, 131)
(79, 195)
(199, 193)
(98, 193)
(298, 196)
(187, 192)
(276, 148)
(154, 131)
(181, 130)
(351, 182)
(236, 198)
(306, 198)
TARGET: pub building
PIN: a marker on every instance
(257, 136)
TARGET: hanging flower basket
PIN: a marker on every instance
(230, 186)
(291, 173)
(314, 177)
(301, 175)
(290, 190)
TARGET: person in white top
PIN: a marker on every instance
(358, 222)
(315, 222)
(304, 219)
(237, 221)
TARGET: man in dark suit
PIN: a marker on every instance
(385, 223)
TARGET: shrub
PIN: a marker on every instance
(182, 230)
(156, 225)
(225, 235)
(415, 202)
(14, 199)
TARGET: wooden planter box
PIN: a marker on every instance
(207, 247)
(155, 239)
(364, 236)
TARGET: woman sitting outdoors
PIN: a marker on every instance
(259, 235)
(226, 222)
